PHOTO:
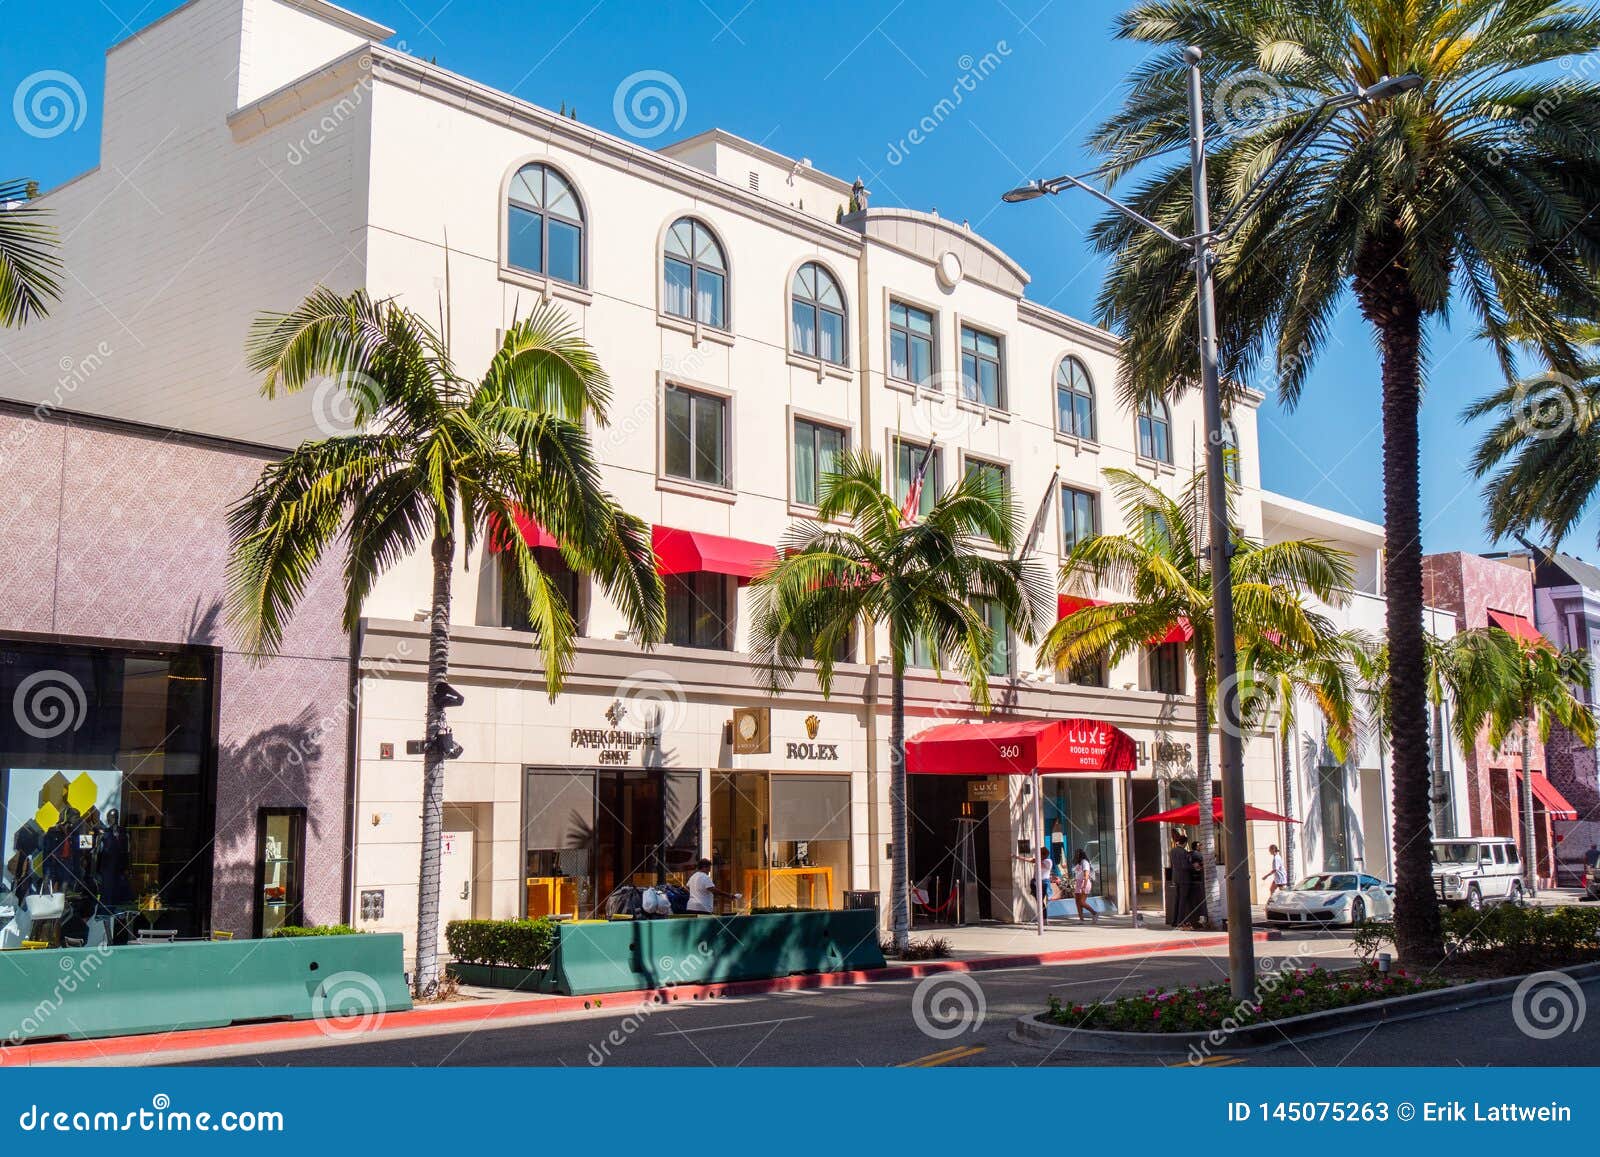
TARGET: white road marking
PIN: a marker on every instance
(741, 1024)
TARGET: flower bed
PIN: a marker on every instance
(1212, 1007)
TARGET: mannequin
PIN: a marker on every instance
(111, 861)
(24, 880)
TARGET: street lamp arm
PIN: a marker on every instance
(1036, 189)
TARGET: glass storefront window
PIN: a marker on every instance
(588, 832)
(782, 838)
(107, 783)
(280, 871)
(1080, 814)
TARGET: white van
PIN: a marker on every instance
(1477, 870)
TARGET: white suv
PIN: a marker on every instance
(1477, 870)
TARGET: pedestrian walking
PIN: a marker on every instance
(1082, 885)
(1278, 874)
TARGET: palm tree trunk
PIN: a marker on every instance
(1288, 801)
(426, 983)
(899, 869)
(1388, 302)
(1205, 826)
(1530, 840)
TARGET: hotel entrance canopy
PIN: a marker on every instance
(1046, 746)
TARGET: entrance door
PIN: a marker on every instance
(456, 877)
(937, 804)
(628, 824)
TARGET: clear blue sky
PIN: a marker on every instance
(843, 84)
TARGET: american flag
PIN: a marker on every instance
(913, 502)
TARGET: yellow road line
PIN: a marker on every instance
(932, 1060)
(1218, 1062)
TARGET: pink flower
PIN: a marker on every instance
(1299, 992)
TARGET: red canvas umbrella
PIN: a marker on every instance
(1189, 814)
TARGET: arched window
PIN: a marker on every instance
(1230, 451)
(544, 225)
(1074, 400)
(1155, 432)
(816, 312)
(694, 274)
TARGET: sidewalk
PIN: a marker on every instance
(978, 948)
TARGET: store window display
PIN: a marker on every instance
(106, 793)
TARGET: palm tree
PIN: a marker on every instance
(1530, 689)
(436, 460)
(1543, 451)
(28, 259)
(1328, 673)
(1160, 563)
(925, 580)
(1476, 189)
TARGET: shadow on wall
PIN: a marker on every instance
(273, 768)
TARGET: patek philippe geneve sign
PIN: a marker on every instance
(613, 744)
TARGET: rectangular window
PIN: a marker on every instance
(678, 287)
(816, 455)
(907, 460)
(698, 611)
(1091, 672)
(981, 378)
(696, 437)
(566, 247)
(1164, 668)
(1000, 644)
(524, 238)
(911, 344)
(1335, 822)
(1080, 516)
(280, 868)
(514, 608)
(995, 473)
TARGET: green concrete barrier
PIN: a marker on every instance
(624, 955)
(77, 993)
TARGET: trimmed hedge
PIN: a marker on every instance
(1511, 930)
(513, 943)
(290, 930)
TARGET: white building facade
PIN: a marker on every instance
(752, 323)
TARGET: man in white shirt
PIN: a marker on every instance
(703, 891)
(1279, 875)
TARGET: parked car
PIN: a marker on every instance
(1333, 898)
(1474, 871)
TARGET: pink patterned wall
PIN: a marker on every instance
(121, 535)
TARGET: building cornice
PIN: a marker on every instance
(1069, 327)
(540, 124)
(760, 152)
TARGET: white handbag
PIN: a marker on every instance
(46, 907)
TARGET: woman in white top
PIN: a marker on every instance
(1082, 885)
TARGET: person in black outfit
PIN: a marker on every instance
(1178, 874)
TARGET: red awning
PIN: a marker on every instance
(532, 533)
(688, 551)
(1179, 632)
(1069, 604)
(1048, 746)
(1545, 792)
(1517, 627)
(1189, 814)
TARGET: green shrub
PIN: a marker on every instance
(291, 930)
(930, 948)
(1208, 1008)
(513, 943)
(1523, 932)
(1370, 938)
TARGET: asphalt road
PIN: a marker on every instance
(953, 1019)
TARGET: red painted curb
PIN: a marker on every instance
(485, 1015)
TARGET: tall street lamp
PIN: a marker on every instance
(1203, 246)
